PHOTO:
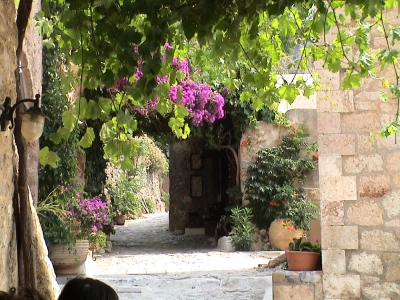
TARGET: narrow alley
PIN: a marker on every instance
(150, 262)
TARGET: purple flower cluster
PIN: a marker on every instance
(203, 104)
(181, 65)
(92, 213)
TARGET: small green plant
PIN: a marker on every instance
(235, 194)
(244, 230)
(123, 193)
(97, 240)
(165, 199)
(299, 245)
(56, 220)
(150, 205)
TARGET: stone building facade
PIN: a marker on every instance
(359, 179)
(8, 62)
(360, 192)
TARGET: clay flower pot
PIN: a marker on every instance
(68, 261)
(120, 220)
(302, 260)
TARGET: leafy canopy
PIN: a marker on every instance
(106, 39)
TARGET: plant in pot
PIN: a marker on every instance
(124, 202)
(56, 220)
(273, 188)
(303, 256)
(71, 226)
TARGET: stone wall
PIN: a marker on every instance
(8, 37)
(359, 188)
(152, 190)
(289, 285)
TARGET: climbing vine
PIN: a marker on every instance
(109, 39)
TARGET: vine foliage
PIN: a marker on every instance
(109, 39)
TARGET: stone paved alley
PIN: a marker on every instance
(150, 262)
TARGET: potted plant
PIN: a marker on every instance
(124, 202)
(303, 256)
(72, 225)
(273, 188)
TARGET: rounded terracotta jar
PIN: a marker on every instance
(280, 236)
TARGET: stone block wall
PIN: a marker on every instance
(359, 191)
(8, 37)
(289, 285)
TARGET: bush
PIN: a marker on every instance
(273, 183)
(123, 196)
(244, 230)
(165, 199)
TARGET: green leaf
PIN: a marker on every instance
(80, 108)
(351, 81)
(288, 92)
(253, 32)
(62, 133)
(384, 97)
(257, 103)
(105, 105)
(335, 66)
(189, 23)
(366, 61)
(106, 3)
(47, 157)
(69, 120)
(395, 33)
(308, 91)
(107, 132)
(386, 56)
(390, 129)
(111, 148)
(395, 89)
(286, 26)
(88, 138)
(126, 164)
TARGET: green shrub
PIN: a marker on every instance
(150, 205)
(123, 196)
(273, 183)
(165, 199)
(244, 230)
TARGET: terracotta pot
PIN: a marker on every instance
(302, 260)
(68, 261)
(280, 236)
(120, 220)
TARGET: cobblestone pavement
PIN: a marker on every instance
(150, 262)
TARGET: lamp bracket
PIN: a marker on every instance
(8, 110)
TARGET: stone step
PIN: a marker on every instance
(188, 287)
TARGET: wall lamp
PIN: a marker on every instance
(32, 119)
